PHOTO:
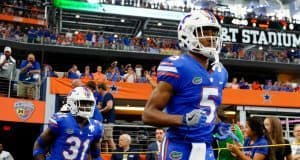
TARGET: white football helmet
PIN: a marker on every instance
(193, 31)
(81, 102)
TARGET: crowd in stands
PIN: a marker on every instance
(26, 8)
(154, 45)
(32, 72)
(267, 85)
(237, 51)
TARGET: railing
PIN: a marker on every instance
(141, 135)
(20, 89)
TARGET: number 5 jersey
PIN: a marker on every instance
(194, 88)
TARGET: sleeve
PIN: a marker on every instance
(287, 149)
(149, 149)
(263, 150)
(2, 58)
(54, 121)
(37, 65)
(168, 71)
(23, 64)
(109, 97)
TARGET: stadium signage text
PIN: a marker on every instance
(260, 37)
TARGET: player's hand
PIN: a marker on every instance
(194, 118)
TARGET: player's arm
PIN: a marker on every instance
(159, 98)
(96, 149)
(42, 143)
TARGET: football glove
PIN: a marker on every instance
(196, 117)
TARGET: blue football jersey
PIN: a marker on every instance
(72, 142)
(194, 87)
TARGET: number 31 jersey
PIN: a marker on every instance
(72, 142)
(194, 88)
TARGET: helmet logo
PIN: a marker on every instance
(210, 16)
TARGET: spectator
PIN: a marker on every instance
(31, 35)
(276, 86)
(87, 74)
(69, 37)
(234, 84)
(89, 37)
(101, 40)
(73, 72)
(107, 109)
(274, 128)
(114, 72)
(269, 85)
(256, 85)
(47, 71)
(155, 146)
(296, 143)
(29, 77)
(255, 133)
(130, 76)
(98, 75)
(243, 84)
(5, 155)
(124, 146)
(7, 65)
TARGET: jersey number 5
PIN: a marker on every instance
(73, 151)
(207, 101)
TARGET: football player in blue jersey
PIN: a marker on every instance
(73, 135)
(187, 95)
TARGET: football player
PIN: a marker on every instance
(73, 135)
(187, 95)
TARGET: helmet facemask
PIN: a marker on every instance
(206, 41)
(85, 108)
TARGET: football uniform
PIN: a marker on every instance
(193, 88)
(72, 142)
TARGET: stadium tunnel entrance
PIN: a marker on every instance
(18, 138)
